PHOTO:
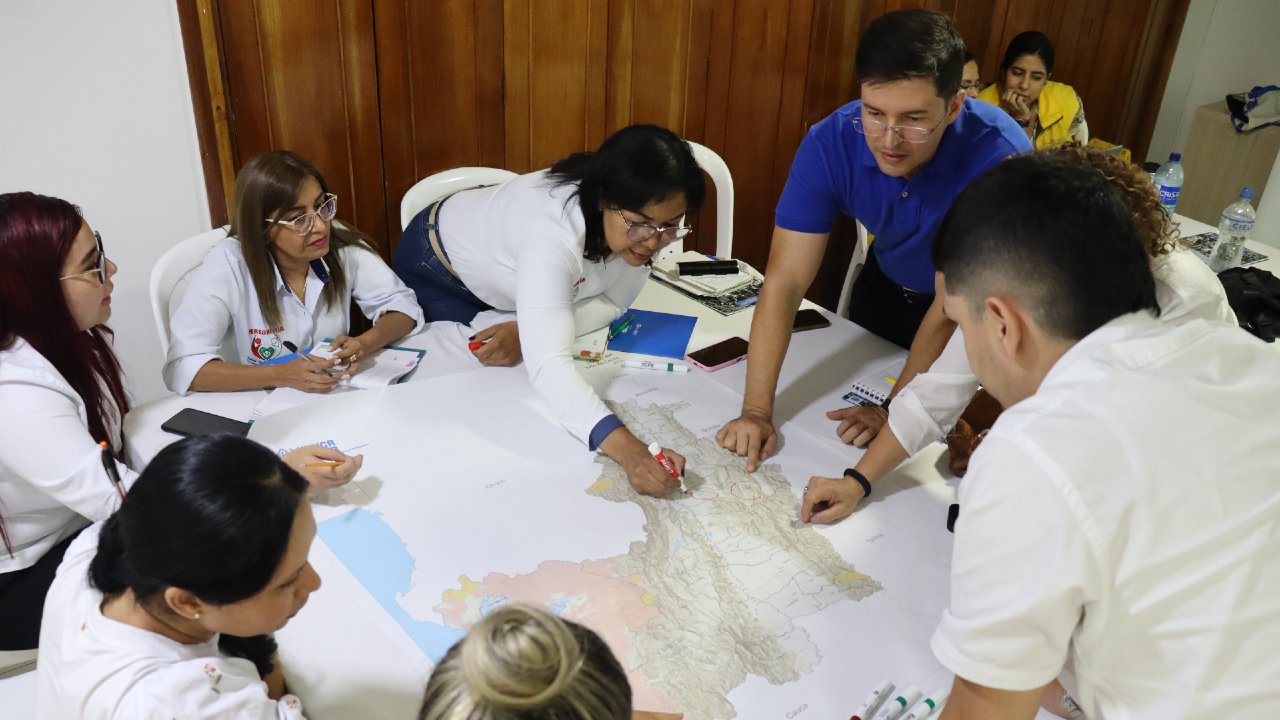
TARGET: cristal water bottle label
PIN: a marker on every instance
(1235, 226)
(1168, 195)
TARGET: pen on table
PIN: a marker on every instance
(928, 705)
(896, 706)
(109, 464)
(626, 323)
(659, 365)
(656, 451)
(868, 707)
(294, 349)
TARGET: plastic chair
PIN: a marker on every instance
(855, 269)
(170, 273)
(433, 187)
(715, 167)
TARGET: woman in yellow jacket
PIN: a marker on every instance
(1051, 112)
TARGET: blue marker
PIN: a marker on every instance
(746, 301)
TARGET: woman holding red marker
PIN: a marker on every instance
(567, 249)
(62, 391)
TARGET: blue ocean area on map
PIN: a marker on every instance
(373, 552)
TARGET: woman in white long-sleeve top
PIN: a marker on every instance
(62, 393)
(567, 249)
(286, 276)
(166, 609)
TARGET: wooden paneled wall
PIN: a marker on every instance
(380, 93)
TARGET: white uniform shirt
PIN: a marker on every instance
(1126, 518)
(52, 482)
(932, 402)
(222, 295)
(95, 668)
(518, 246)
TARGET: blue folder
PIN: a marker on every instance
(653, 333)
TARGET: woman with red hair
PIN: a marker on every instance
(62, 393)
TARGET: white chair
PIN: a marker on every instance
(168, 277)
(433, 187)
(715, 167)
(855, 269)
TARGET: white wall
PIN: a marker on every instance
(1227, 46)
(96, 110)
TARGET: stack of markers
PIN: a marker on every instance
(894, 707)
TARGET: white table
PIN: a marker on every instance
(338, 657)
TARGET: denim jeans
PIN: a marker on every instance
(441, 295)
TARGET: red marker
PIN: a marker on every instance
(656, 451)
(475, 345)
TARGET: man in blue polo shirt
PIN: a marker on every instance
(894, 161)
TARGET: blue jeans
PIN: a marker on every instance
(441, 295)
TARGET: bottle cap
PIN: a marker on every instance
(1247, 193)
(1175, 157)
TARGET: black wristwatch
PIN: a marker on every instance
(861, 480)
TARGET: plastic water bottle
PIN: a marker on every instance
(1234, 229)
(1169, 181)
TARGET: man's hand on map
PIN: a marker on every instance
(751, 435)
(827, 500)
(859, 424)
(644, 472)
(323, 468)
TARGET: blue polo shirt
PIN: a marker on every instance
(834, 171)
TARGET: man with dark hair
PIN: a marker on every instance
(893, 160)
(1119, 520)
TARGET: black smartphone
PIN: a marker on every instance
(708, 267)
(190, 421)
(723, 353)
(809, 319)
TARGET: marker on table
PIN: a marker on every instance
(626, 323)
(656, 365)
(656, 451)
(746, 301)
(109, 464)
(865, 709)
(896, 706)
(929, 704)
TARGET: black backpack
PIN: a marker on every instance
(1254, 295)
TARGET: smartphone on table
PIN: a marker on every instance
(721, 354)
(189, 422)
(809, 319)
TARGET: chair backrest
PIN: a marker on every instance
(855, 269)
(433, 187)
(169, 276)
(715, 167)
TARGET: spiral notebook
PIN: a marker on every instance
(874, 387)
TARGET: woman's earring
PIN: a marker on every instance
(197, 615)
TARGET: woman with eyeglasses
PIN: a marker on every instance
(62, 391)
(282, 282)
(167, 609)
(567, 249)
(1050, 112)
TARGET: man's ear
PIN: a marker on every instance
(953, 108)
(1010, 325)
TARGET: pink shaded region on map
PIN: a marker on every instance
(589, 593)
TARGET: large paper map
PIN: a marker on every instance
(713, 602)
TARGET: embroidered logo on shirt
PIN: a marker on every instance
(577, 286)
(265, 344)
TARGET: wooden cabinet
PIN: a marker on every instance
(1219, 161)
(380, 93)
